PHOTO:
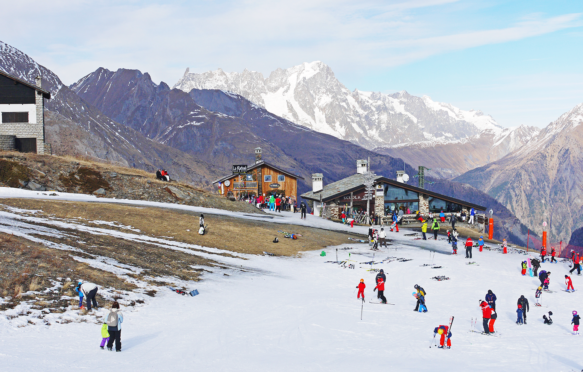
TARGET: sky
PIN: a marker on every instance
(518, 61)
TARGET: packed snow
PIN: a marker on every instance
(301, 313)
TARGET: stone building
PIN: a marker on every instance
(389, 196)
(22, 126)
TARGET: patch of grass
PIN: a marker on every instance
(86, 179)
(11, 172)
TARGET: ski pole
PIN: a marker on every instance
(361, 308)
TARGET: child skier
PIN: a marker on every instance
(443, 331)
(420, 295)
(481, 243)
(569, 284)
(537, 294)
(381, 287)
(523, 268)
(361, 286)
(543, 253)
(546, 284)
(548, 320)
(519, 313)
(575, 322)
(504, 246)
(80, 292)
(104, 335)
(454, 247)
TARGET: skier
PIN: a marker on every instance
(542, 276)
(535, 265)
(381, 287)
(576, 265)
(523, 268)
(435, 228)
(548, 320)
(442, 216)
(491, 299)
(472, 216)
(575, 322)
(80, 292)
(114, 320)
(537, 294)
(572, 255)
(546, 284)
(486, 316)
(89, 291)
(443, 331)
(303, 209)
(454, 246)
(522, 301)
(504, 246)
(569, 284)
(481, 243)
(469, 245)
(553, 253)
(381, 275)
(104, 335)
(420, 297)
(361, 286)
(543, 253)
(519, 313)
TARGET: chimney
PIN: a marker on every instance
(317, 182)
(361, 166)
(257, 155)
(400, 174)
(38, 81)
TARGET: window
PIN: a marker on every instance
(248, 177)
(406, 207)
(438, 205)
(397, 193)
(267, 178)
(281, 178)
(15, 117)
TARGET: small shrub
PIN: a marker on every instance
(11, 172)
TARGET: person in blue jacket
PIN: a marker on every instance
(80, 292)
(472, 215)
(491, 299)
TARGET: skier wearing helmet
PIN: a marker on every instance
(380, 276)
(575, 322)
(361, 286)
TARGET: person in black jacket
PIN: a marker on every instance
(524, 302)
(491, 299)
(535, 265)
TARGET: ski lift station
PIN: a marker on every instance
(386, 196)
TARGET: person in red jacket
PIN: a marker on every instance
(278, 204)
(576, 265)
(569, 284)
(504, 246)
(469, 245)
(487, 320)
(543, 253)
(443, 330)
(553, 253)
(361, 286)
(381, 287)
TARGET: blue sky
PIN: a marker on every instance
(519, 61)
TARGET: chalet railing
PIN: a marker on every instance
(245, 185)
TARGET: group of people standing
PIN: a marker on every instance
(274, 202)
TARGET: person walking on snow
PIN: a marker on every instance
(435, 228)
(491, 299)
(469, 245)
(543, 253)
(104, 335)
(443, 331)
(114, 321)
(361, 286)
(553, 253)
(523, 272)
(303, 209)
(486, 316)
(89, 291)
(481, 243)
(537, 294)
(381, 288)
(522, 301)
(535, 265)
(569, 284)
(453, 219)
(576, 265)
(575, 322)
(420, 297)
(424, 230)
(442, 216)
(519, 314)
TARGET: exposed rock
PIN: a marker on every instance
(34, 186)
(100, 191)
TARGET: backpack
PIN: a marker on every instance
(201, 230)
(276, 240)
(112, 319)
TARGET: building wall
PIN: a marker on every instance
(290, 185)
(33, 129)
(29, 107)
(7, 143)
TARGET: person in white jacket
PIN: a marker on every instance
(89, 291)
(382, 237)
(114, 321)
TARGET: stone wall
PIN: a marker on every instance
(423, 204)
(40, 119)
(25, 130)
(379, 205)
(7, 143)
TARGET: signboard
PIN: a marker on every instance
(275, 185)
(380, 191)
(240, 169)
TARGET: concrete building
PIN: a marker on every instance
(22, 125)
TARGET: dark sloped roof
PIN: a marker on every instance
(46, 93)
(356, 182)
(257, 165)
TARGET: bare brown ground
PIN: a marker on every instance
(238, 235)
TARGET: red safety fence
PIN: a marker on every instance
(563, 249)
